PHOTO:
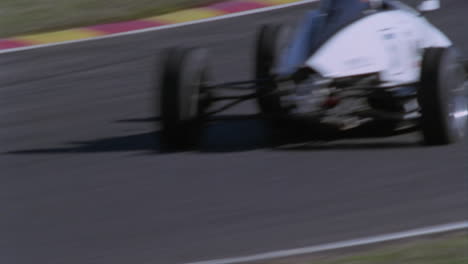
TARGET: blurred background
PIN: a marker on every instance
(25, 16)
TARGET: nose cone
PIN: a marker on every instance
(355, 50)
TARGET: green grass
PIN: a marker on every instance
(27, 16)
(447, 250)
(443, 249)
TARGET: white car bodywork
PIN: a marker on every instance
(390, 43)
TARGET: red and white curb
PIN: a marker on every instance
(218, 11)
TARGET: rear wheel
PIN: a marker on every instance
(182, 95)
(271, 42)
(442, 97)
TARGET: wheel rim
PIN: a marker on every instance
(195, 98)
(458, 103)
(459, 113)
(199, 77)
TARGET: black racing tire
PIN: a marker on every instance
(271, 41)
(442, 97)
(185, 70)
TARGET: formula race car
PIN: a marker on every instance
(347, 64)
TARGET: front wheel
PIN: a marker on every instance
(182, 93)
(442, 97)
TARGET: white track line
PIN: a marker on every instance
(250, 12)
(341, 245)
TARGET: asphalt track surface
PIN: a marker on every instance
(81, 181)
